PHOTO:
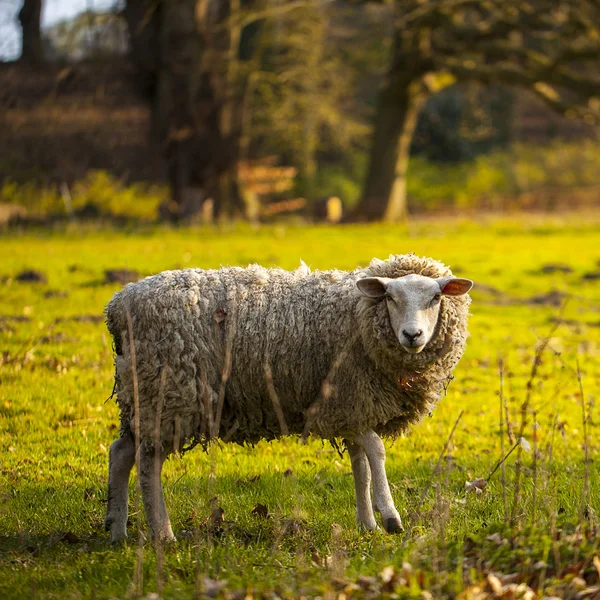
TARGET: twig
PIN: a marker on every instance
(501, 462)
(585, 492)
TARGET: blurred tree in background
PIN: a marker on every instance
(30, 18)
(341, 91)
(543, 45)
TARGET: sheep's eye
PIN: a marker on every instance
(436, 298)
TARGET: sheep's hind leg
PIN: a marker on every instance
(375, 451)
(152, 494)
(120, 462)
(362, 485)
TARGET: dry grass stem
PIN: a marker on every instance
(157, 471)
(275, 399)
(537, 361)
(585, 511)
(415, 512)
(535, 470)
(502, 401)
(139, 566)
(231, 320)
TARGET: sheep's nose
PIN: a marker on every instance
(412, 337)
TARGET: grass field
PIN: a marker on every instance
(537, 516)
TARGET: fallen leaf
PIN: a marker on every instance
(70, 538)
(387, 574)
(496, 538)
(525, 444)
(477, 485)
(212, 587)
(597, 564)
(217, 516)
(494, 583)
(260, 510)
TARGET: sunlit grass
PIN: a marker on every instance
(56, 421)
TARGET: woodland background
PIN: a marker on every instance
(272, 107)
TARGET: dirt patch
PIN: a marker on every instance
(82, 319)
(31, 276)
(551, 268)
(122, 276)
(574, 323)
(491, 295)
(56, 294)
(58, 338)
(551, 298)
(592, 276)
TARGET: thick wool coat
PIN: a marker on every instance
(252, 353)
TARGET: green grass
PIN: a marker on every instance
(56, 425)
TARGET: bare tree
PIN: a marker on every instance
(188, 52)
(547, 46)
(30, 19)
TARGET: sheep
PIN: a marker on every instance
(244, 354)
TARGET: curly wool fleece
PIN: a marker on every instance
(251, 353)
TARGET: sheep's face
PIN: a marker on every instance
(413, 304)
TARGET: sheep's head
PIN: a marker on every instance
(413, 304)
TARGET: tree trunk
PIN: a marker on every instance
(30, 17)
(384, 194)
(397, 206)
(398, 106)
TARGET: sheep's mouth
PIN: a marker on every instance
(413, 349)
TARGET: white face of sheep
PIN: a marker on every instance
(413, 303)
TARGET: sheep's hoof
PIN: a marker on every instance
(393, 525)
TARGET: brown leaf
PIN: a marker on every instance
(477, 485)
(367, 583)
(217, 516)
(591, 592)
(70, 538)
(212, 587)
(260, 510)
(496, 538)
(494, 583)
(597, 564)
(242, 481)
(288, 473)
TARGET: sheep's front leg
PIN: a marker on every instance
(362, 484)
(120, 462)
(152, 494)
(375, 450)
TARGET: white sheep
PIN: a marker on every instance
(249, 353)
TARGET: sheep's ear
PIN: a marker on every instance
(454, 286)
(373, 287)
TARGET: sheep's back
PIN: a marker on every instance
(242, 339)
